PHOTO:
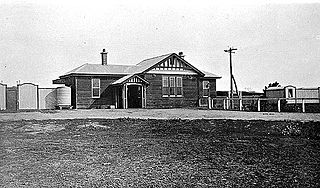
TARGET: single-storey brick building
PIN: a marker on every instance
(166, 81)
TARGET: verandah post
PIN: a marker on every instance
(259, 108)
(279, 107)
(209, 103)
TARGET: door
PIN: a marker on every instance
(134, 96)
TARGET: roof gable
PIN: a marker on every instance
(167, 62)
(147, 63)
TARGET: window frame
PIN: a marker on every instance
(205, 87)
(290, 93)
(95, 87)
(177, 86)
(170, 86)
(165, 86)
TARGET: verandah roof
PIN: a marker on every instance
(132, 78)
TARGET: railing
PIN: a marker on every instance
(262, 104)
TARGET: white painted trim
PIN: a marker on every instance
(143, 94)
(131, 83)
(172, 72)
(125, 90)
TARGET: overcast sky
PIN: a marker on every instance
(41, 40)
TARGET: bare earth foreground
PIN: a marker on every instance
(163, 148)
(158, 114)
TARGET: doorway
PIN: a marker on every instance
(134, 96)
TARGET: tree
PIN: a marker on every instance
(274, 84)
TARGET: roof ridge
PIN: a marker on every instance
(73, 70)
(155, 57)
(107, 64)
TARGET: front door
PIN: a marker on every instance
(134, 96)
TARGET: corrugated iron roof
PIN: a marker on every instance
(110, 69)
(101, 69)
(117, 69)
(147, 63)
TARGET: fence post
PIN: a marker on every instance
(209, 103)
(303, 106)
(240, 104)
(227, 103)
(279, 105)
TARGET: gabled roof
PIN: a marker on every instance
(143, 66)
(148, 63)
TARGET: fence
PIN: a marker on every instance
(262, 104)
(3, 92)
(28, 96)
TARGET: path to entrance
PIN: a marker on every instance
(157, 114)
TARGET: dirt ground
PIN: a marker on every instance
(159, 148)
(159, 153)
(157, 114)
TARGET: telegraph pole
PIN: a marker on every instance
(231, 51)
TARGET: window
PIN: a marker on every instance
(95, 88)
(165, 86)
(171, 86)
(290, 93)
(179, 86)
(205, 86)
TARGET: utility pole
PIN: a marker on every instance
(231, 51)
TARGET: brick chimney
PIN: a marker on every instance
(104, 57)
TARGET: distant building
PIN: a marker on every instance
(281, 92)
(160, 82)
(293, 94)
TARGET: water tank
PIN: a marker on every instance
(63, 96)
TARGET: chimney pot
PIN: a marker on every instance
(181, 55)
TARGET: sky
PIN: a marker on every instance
(275, 40)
